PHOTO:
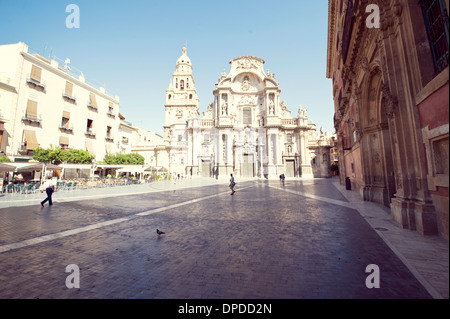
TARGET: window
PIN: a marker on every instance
(247, 116)
(440, 151)
(437, 24)
(187, 83)
(65, 120)
(182, 85)
(108, 131)
(92, 101)
(68, 91)
(190, 96)
(90, 127)
(36, 74)
(30, 141)
(31, 112)
(180, 138)
(289, 138)
(64, 142)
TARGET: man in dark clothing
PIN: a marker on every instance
(232, 183)
(49, 189)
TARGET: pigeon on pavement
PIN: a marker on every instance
(159, 232)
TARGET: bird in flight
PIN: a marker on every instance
(159, 232)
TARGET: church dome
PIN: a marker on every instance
(183, 62)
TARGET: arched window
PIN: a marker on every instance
(190, 96)
(187, 83)
(182, 85)
(176, 83)
(170, 96)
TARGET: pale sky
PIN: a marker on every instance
(131, 47)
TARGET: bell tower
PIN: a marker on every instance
(182, 103)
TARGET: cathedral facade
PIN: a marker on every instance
(247, 131)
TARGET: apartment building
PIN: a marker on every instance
(43, 103)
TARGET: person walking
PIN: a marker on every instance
(49, 188)
(232, 184)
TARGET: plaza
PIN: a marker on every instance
(304, 239)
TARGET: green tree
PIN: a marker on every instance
(41, 155)
(4, 159)
(57, 156)
(125, 159)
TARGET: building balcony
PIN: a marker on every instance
(32, 119)
(66, 129)
(24, 151)
(289, 123)
(92, 107)
(36, 83)
(111, 114)
(125, 140)
(207, 123)
(90, 134)
(69, 97)
(109, 139)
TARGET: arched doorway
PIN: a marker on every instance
(376, 143)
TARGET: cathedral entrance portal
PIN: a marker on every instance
(206, 168)
(290, 168)
(248, 166)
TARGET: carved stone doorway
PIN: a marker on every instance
(376, 145)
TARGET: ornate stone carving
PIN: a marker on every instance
(364, 64)
(246, 86)
(247, 63)
(390, 102)
(247, 100)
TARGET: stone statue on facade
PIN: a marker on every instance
(225, 108)
(271, 108)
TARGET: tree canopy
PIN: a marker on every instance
(125, 159)
(4, 159)
(57, 156)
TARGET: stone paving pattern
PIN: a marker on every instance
(269, 240)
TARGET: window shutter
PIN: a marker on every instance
(30, 138)
(69, 89)
(63, 140)
(31, 110)
(36, 73)
(93, 101)
(90, 148)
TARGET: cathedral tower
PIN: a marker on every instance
(182, 103)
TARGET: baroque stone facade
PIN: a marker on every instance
(248, 130)
(390, 86)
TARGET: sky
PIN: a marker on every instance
(131, 47)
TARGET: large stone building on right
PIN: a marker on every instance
(391, 92)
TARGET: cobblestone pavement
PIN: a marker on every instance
(303, 239)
